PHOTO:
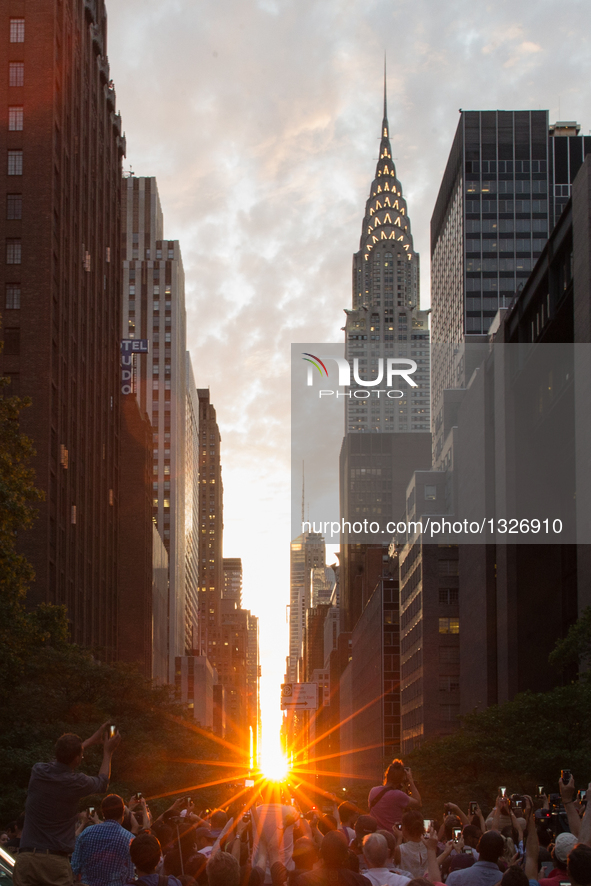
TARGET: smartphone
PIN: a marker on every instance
(188, 802)
(582, 796)
(540, 791)
(472, 807)
(565, 775)
(457, 832)
(293, 801)
(90, 810)
(467, 850)
(138, 796)
(398, 826)
(503, 793)
(426, 823)
(249, 782)
(112, 731)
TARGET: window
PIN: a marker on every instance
(13, 252)
(449, 625)
(448, 596)
(13, 296)
(17, 30)
(16, 74)
(15, 118)
(12, 341)
(15, 163)
(14, 206)
(430, 493)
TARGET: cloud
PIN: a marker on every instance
(260, 121)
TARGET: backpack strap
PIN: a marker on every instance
(379, 796)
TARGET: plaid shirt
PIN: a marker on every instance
(102, 855)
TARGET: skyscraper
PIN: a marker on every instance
(211, 522)
(233, 580)
(154, 309)
(507, 179)
(192, 492)
(385, 439)
(60, 227)
(385, 319)
(306, 552)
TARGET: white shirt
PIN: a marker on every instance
(384, 877)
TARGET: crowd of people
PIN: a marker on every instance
(266, 837)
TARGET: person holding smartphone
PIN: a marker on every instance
(51, 810)
(388, 802)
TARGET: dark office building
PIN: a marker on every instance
(374, 472)
(211, 568)
(60, 228)
(504, 650)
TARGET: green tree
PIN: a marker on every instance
(520, 744)
(575, 648)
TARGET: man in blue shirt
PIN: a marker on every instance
(101, 855)
(55, 789)
(486, 871)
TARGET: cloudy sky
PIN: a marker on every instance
(260, 120)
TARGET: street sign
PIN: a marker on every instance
(299, 696)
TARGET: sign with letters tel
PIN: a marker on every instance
(135, 346)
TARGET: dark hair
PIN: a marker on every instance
(218, 819)
(327, 823)
(412, 821)
(113, 807)
(579, 864)
(390, 840)
(365, 824)
(223, 870)
(514, 876)
(67, 748)
(334, 849)
(145, 852)
(471, 832)
(510, 831)
(419, 881)
(394, 773)
(347, 811)
(491, 846)
(304, 854)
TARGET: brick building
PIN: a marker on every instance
(62, 147)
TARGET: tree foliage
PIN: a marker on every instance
(50, 686)
(575, 648)
(520, 744)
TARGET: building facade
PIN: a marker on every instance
(233, 580)
(307, 551)
(154, 309)
(211, 522)
(60, 230)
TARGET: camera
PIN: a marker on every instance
(540, 791)
(472, 807)
(503, 793)
(582, 796)
(247, 817)
(565, 775)
(457, 832)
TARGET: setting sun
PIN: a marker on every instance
(274, 765)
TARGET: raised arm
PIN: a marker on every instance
(433, 870)
(457, 811)
(585, 831)
(109, 745)
(532, 845)
(414, 794)
(567, 792)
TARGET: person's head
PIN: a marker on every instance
(563, 845)
(579, 865)
(223, 870)
(375, 850)
(305, 854)
(419, 881)
(395, 774)
(68, 749)
(491, 846)
(203, 838)
(218, 820)
(412, 826)
(545, 835)
(510, 831)
(145, 853)
(449, 823)
(514, 876)
(365, 824)
(327, 823)
(471, 835)
(113, 807)
(334, 849)
(509, 850)
(348, 814)
(390, 840)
